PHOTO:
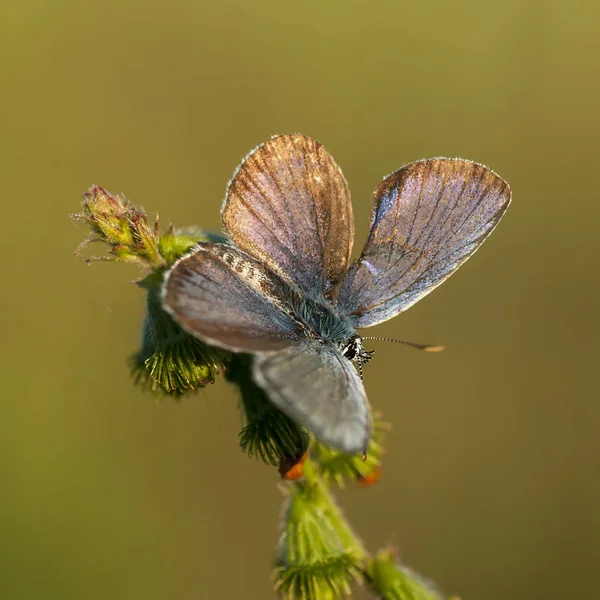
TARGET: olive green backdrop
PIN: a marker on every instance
(491, 483)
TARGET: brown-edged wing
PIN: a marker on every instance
(226, 298)
(288, 205)
(428, 218)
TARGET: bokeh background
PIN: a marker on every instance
(491, 483)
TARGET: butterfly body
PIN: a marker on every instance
(321, 321)
(284, 290)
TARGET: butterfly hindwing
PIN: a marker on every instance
(316, 386)
(228, 299)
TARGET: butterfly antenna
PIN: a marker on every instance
(424, 347)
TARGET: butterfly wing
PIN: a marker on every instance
(288, 205)
(428, 218)
(228, 299)
(317, 387)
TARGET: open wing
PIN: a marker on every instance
(288, 205)
(427, 219)
(226, 298)
(317, 387)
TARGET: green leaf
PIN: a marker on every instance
(177, 242)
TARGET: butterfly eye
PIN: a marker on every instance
(353, 349)
(350, 348)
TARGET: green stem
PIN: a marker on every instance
(334, 513)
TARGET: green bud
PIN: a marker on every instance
(170, 359)
(396, 582)
(315, 562)
(116, 222)
(269, 434)
(338, 467)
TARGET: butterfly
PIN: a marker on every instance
(283, 289)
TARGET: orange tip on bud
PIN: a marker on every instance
(368, 480)
(291, 468)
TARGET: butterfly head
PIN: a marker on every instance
(353, 349)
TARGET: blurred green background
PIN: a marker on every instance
(491, 484)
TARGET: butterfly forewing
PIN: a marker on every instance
(427, 219)
(228, 299)
(315, 385)
(288, 205)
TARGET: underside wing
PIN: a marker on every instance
(320, 389)
(427, 219)
(228, 299)
(288, 205)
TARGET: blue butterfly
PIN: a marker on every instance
(284, 292)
